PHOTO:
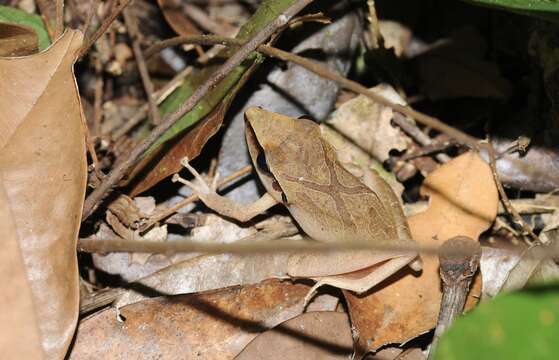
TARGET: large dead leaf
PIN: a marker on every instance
(42, 187)
(314, 335)
(463, 200)
(212, 325)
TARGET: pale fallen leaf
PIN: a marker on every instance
(215, 230)
(495, 265)
(42, 185)
(212, 325)
(314, 335)
(463, 200)
(395, 35)
(368, 124)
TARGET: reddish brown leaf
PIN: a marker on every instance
(211, 325)
(463, 201)
(189, 145)
(42, 187)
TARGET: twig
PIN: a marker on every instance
(97, 97)
(326, 73)
(415, 133)
(504, 198)
(59, 19)
(107, 245)
(134, 33)
(104, 26)
(90, 13)
(456, 273)
(205, 22)
(159, 95)
(173, 209)
(92, 201)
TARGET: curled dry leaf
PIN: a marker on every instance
(17, 40)
(42, 187)
(313, 335)
(463, 200)
(368, 124)
(212, 325)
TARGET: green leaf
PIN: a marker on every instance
(544, 9)
(12, 15)
(266, 12)
(518, 325)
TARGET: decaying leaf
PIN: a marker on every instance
(463, 200)
(42, 184)
(313, 335)
(368, 124)
(212, 325)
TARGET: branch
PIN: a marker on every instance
(326, 73)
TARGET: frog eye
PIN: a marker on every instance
(262, 163)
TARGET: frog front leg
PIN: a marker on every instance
(220, 204)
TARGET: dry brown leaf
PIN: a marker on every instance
(212, 325)
(315, 335)
(174, 14)
(463, 201)
(17, 40)
(189, 145)
(42, 185)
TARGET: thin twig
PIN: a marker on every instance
(504, 198)
(205, 22)
(173, 209)
(92, 201)
(104, 26)
(89, 18)
(184, 245)
(326, 73)
(415, 133)
(133, 31)
(59, 28)
(159, 95)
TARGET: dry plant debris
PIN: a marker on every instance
(161, 276)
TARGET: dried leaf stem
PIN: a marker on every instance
(159, 95)
(326, 73)
(133, 31)
(92, 201)
(504, 198)
(104, 26)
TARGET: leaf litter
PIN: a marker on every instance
(241, 305)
